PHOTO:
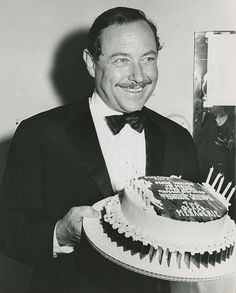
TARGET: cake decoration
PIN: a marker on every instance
(165, 220)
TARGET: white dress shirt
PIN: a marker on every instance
(124, 153)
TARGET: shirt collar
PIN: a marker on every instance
(99, 108)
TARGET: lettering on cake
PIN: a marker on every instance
(194, 209)
(181, 191)
(174, 196)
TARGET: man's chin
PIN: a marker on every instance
(132, 108)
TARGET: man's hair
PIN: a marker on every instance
(117, 15)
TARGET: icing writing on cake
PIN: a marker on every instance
(186, 196)
(178, 190)
(195, 209)
(175, 198)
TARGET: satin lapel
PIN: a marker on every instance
(84, 137)
(155, 147)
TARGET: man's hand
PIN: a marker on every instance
(68, 230)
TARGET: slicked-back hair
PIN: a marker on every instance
(117, 15)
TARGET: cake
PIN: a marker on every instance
(172, 222)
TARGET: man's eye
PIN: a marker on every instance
(149, 59)
(121, 61)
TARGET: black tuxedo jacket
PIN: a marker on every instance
(54, 163)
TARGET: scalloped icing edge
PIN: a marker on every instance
(116, 219)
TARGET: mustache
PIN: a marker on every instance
(134, 84)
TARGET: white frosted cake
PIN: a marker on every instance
(172, 221)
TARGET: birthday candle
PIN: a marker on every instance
(142, 195)
(231, 193)
(226, 188)
(216, 180)
(148, 198)
(220, 184)
(209, 175)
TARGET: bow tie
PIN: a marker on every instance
(134, 119)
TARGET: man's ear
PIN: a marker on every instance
(88, 59)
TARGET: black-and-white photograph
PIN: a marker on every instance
(117, 146)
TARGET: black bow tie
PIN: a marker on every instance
(134, 119)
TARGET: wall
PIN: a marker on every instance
(34, 33)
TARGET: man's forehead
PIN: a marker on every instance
(123, 36)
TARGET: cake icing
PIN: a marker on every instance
(171, 217)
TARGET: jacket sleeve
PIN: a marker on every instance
(26, 232)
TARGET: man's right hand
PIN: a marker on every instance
(69, 228)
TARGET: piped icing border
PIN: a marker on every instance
(114, 217)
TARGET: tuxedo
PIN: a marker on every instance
(55, 162)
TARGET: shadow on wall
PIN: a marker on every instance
(69, 75)
(72, 82)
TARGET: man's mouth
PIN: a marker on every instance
(134, 87)
(133, 90)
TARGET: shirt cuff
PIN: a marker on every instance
(57, 249)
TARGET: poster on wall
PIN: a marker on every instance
(215, 104)
(221, 69)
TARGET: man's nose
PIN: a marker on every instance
(137, 73)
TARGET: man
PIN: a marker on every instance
(64, 160)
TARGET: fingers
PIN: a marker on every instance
(68, 229)
(86, 211)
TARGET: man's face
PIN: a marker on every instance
(126, 72)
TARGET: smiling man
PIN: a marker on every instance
(126, 71)
(64, 160)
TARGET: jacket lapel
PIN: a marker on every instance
(155, 146)
(84, 137)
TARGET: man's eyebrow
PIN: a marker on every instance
(119, 54)
(151, 52)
